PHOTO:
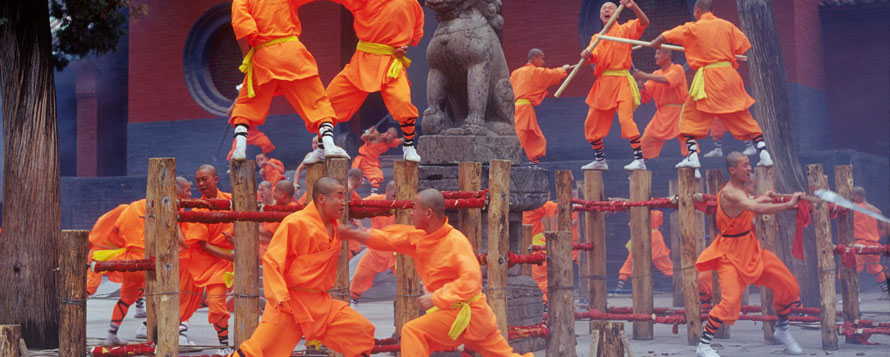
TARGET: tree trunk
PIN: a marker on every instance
(31, 208)
(773, 111)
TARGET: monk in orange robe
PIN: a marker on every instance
(868, 231)
(717, 90)
(130, 227)
(661, 255)
(298, 269)
(374, 261)
(210, 255)
(385, 29)
(667, 86)
(543, 219)
(615, 88)
(368, 159)
(271, 170)
(284, 196)
(530, 83)
(278, 63)
(739, 260)
(452, 281)
(103, 237)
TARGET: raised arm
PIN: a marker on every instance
(747, 203)
(393, 238)
(630, 4)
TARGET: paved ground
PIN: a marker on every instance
(746, 335)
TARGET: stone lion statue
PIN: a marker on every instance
(468, 86)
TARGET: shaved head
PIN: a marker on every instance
(324, 186)
(285, 187)
(182, 181)
(608, 4)
(209, 169)
(183, 187)
(859, 191)
(734, 158)
(354, 173)
(705, 5)
(432, 199)
(534, 52)
(266, 184)
(391, 186)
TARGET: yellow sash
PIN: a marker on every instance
(697, 89)
(462, 320)
(229, 279)
(380, 49)
(523, 101)
(247, 64)
(105, 255)
(630, 79)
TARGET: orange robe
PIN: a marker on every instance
(374, 261)
(739, 260)
(536, 218)
(708, 41)
(285, 67)
(394, 23)
(530, 88)
(130, 227)
(271, 227)
(612, 93)
(298, 269)
(272, 173)
(445, 262)
(669, 98)
(865, 230)
(368, 160)
(661, 255)
(255, 137)
(103, 236)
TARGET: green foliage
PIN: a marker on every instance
(88, 27)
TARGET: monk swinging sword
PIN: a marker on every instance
(830, 196)
(578, 66)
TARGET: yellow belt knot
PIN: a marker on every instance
(523, 101)
(462, 320)
(105, 255)
(247, 64)
(386, 50)
(630, 79)
(229, 279)
(697, 89)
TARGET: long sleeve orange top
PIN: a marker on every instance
(531, 82)
(130, 227)
(207, 269)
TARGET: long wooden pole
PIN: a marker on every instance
(767, 230)
(242, 174)
(689, 253)
(162, 285)
(498, 239)
(596, 232)
(714, 182)
(843, 183)
(72, 293)
(825, 258)
(560, 288)
(677, 278)
(469, 178)
(562, 87)
(407, 282)
(338, 169)
(649, 44)
(641, 248)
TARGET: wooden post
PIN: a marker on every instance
(407, 282)
(338, 168)
(767, 230)
(162, 285)
(242, 174)
(564, 181)
(73, 293)
(843, 182)
(498, 239)
(523, 247)
(677, 278)
(595, 230)
(11, 334)
(714, 183)
(641, 247)
(560, 288)
(313, 173)
(469, 178)
(610, 342)
(689, 253)
(583, 288)
(825, 255)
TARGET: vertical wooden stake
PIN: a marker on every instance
(313, 173)
(560, 288)
(407, 282)
(564, 181)
(766, 228)
(595, 231)
(498, 239)
(10, 336)
(825, 255)
(677, 278)
(714, 180)
(160, 235)
(523, 247)
(843, 182)
(338, 168)
(72, 293)
(689, 253)
(641, 246)
(242, 175)
(469, 222)
(583, 289)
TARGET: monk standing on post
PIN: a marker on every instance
(739, 260)
(667, 87)
(615, 89)
(278, 62)
(298, 269)
(452, 280)
(717, 90)
(385, 29)
(530, 83)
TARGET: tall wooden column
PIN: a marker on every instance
(689, 253)
(407, 282)
(469, 178)
(843, 182)
(498, 239)
(72, 293)
(338, 168)
(242, 174)
(641, 247)
(162, 243)
(825, 256)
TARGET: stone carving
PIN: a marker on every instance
(468, 86)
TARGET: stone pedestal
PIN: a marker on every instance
(454, 149)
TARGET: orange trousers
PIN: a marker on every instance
(132, 288)
(652, 146)
(530, 136)
(775, 276)
(872, 263)
(306, 95)
(190, 296)
(696, 123)
(219, 312)
(663, 264)
(705, 288)
(346, 98)
(255, 137)
(598, 122)
(717, 129)
(539, 273)
(370, 169)
(348, 332)
(429, 333)
(373, 262)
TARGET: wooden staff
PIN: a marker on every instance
(649, 44)
(606, 28)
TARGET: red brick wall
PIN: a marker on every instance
(156, 82)
(87, 118)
